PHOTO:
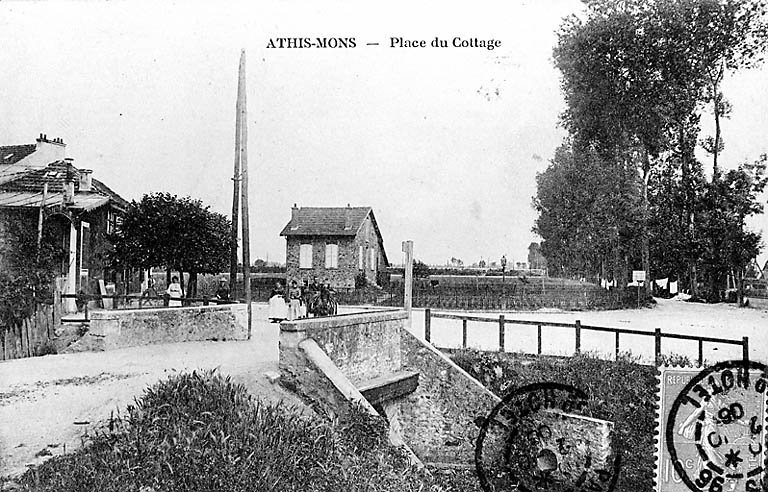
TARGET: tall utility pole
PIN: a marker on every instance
(240, 193)
(236, 191)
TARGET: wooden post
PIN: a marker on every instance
(539, 339)
(745, 348)
(578, 336)
(408, 293)
(40, 218)
(617, 345)
(428, 325)
(657, 348)
(56, 304)
(242, 115)
(235, 198)
(701, 353)
(464, 333)
(501, 333)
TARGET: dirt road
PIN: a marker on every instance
(46, 403)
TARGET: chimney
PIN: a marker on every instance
(47, 151)
(85, 179)
(69, 183)
(294, 209)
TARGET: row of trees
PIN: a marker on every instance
(179, 234)
(625, 190)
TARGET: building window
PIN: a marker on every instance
(372, 253)
(113, 221)
(360, 259)
(305, 256)
(331, 256)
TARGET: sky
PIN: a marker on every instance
(443, 143)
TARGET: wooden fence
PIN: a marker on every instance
(578, 327)
(30, 337)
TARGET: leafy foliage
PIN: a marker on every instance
(625, 190)
(202, 432)
(163, 230)
(29, 273)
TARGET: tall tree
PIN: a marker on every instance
(181, 234)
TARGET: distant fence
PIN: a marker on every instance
(491, 293)
(578, 327)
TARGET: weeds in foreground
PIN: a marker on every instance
(202, 432)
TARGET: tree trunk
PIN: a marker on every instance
(645, 241)
(192, 285)
(717, 98)
(740, 287)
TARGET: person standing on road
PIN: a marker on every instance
(174, 292)
(294, 301)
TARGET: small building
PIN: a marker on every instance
(40, 186)
(335, 243)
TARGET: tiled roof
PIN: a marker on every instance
(11, 154)
(23, 199)
(32, 182)
(326, 221)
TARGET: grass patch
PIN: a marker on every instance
(620, 391)
(202, 432)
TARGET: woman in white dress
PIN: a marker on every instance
(278, 310)
(174, 293)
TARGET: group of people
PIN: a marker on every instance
(174, 292)
(311, 299)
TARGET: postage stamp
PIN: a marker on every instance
(537, 438)
(712, 428)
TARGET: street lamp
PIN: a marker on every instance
(503, 274)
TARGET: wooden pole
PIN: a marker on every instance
(428, 325)
(408, 294)
(657, 345)
(243, 115)
(235, 197)
(40, 219)
(501, 333)
(745, 348)
(578, 336)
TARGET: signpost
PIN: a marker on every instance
(638, 276)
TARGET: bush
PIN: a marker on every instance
(361, 281)
(202, 432)
(622, 392)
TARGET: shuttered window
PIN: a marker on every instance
(305, 256)
(331, 256)
(360, 258)
(372, 252)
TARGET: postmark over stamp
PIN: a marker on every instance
(712, 428)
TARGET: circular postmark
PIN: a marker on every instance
(715, 431)
(536, 438)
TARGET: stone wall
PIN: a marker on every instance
(439, 419)
(348, 262)
(342, 276)
(363, 346)
(110, 330)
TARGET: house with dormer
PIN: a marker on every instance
(43, 193)
(334, 243)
